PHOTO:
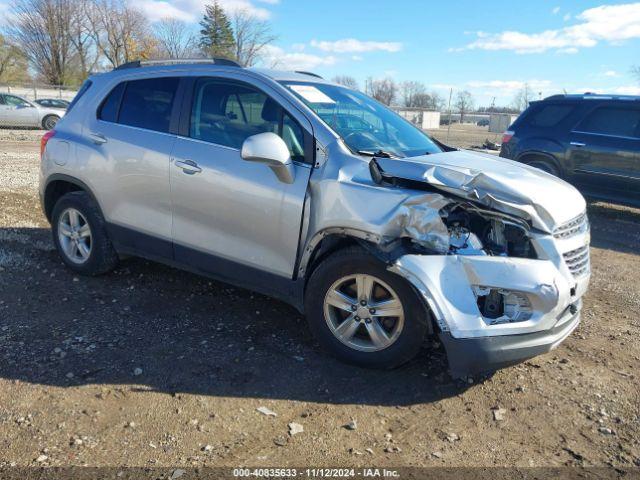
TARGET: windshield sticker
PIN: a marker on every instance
(311, 94)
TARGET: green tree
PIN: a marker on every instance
(13, 63)
(216, 35)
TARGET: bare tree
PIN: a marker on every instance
(635, 71)
(86, 52)
(522, 98)
(413, 93)
(347, 81)
(384, 90)
(42, 30)
(437, 102)
(174, 38)
(464, 103)
(121, 32)
(251, 35)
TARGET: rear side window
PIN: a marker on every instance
(617, 121)
(550, 115)
(109, 109)
(83, 89)
(148, 103)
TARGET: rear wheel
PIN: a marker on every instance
(49, 122)
(80, 236)
(362, 313)
(545, 166)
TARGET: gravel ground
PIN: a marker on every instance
(151, 366)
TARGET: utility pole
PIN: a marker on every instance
(449, 123)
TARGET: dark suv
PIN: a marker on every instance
(591, 141)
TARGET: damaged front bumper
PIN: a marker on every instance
(474, 343)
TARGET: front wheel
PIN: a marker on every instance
(362, 313)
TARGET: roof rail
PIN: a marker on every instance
(308, 73)
(179, 61)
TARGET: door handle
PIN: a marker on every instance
(97, 138)
(578, 144)
(188, 166)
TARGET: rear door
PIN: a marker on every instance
(605, 150)
(129, 144)
(231, 217)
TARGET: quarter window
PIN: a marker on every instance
(617, 121)
(229, 113)
(109, 108)
(148, 103)
(550, 115)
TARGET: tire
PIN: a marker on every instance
(325, 319)
(545, 166)
(98, 255)
(49, 122)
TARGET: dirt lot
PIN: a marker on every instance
(150, 366)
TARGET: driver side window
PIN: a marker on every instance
(228, 113)
(15, 101)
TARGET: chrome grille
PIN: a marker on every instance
(578, 261)
(578, 225)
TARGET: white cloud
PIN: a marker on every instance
(566, 17)
(610, 73)
(192, 10)
(606, 23)
(276, 57)
(510, 85)
(555, 10)
(620, 90)
(351, 45)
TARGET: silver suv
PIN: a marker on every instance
(316, 194)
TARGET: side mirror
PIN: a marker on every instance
(270, 149)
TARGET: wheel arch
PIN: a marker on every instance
(58, 185)
(333, 240)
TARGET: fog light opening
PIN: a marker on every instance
(502, 306)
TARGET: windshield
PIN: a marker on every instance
(365, 125)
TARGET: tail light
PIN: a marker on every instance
(506, 136)
(43, 141)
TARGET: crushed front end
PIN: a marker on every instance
(498, 301)
(509, 286)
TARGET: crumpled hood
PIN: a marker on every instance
(505, 185)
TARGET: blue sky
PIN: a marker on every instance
(490, 48)
(438, 43)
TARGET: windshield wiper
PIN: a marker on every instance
(379, 153)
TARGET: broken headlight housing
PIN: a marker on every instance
(475, 231)
(499, 305)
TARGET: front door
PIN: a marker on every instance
(234, 218)
(18, 112)
(605, 151)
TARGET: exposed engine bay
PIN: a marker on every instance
(476, 231)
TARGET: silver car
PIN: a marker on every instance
(381, 235)
(16, 111)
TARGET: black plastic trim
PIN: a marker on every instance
(130, 242)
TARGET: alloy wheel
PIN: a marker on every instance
(74, 234)
(363, 312)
